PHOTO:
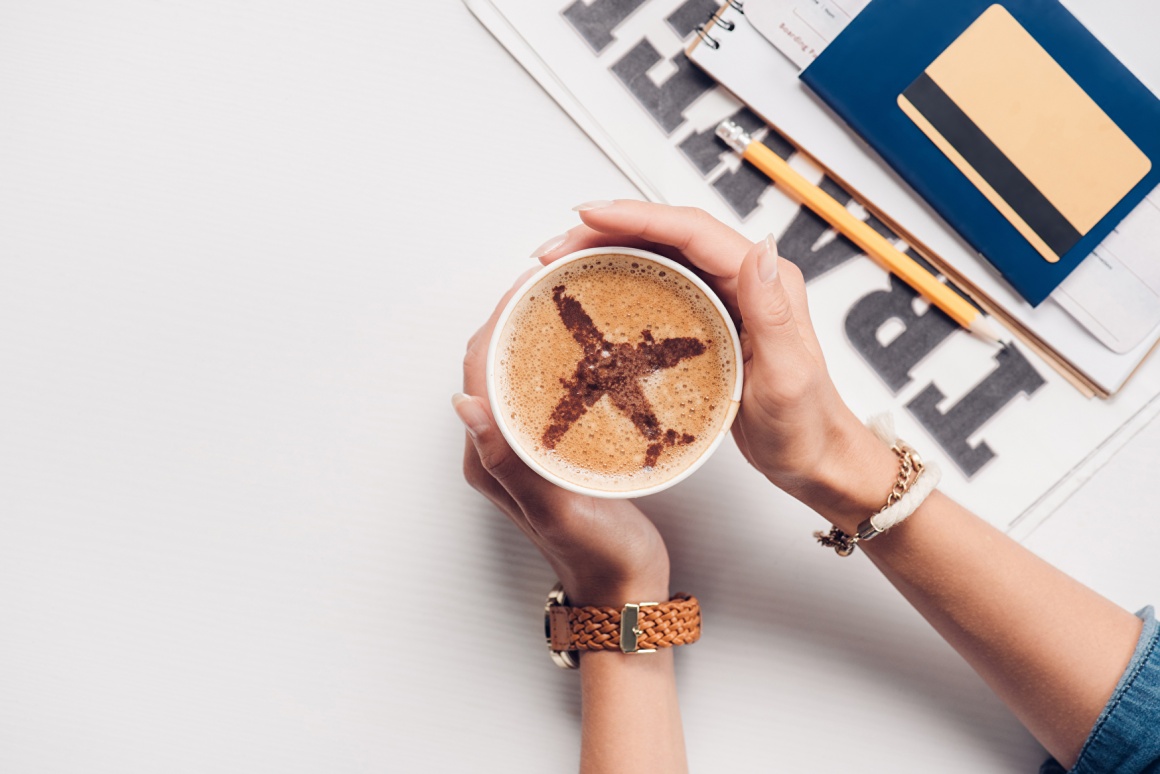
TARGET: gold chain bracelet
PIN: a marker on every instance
(910, 467)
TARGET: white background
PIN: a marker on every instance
(242, 245)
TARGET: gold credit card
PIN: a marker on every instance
(1024, 133)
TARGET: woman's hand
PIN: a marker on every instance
(605, 552)
(792, 426)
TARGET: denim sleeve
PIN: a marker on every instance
(1126, 736)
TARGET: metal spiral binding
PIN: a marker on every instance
(706, 38)
(715, 20)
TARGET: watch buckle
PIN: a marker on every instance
(630, 629)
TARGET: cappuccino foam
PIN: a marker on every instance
(615, 373)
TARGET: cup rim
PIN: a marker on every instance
(509, 436)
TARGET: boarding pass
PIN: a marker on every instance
(801, 29)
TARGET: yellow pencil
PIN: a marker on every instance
(874, 244)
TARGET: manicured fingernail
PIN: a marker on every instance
(595, 204)
(470, 413)
(552, 244)
(767, 259)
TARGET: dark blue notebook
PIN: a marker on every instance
(1027, 135)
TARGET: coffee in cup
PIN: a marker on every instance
(614, 372)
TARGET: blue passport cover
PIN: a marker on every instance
(888, 48)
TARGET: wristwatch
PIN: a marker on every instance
(638, 627)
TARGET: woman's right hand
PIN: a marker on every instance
(792, 426)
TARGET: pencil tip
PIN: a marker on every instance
(983, 328)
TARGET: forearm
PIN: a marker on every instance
(1051, 649)
(631, 721)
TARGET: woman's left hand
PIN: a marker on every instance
(605, 552)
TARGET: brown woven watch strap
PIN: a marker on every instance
(676, 622)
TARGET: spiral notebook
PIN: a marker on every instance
(1099, 325)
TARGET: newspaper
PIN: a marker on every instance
(1014, 437)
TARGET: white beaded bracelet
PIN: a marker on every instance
(916, 480)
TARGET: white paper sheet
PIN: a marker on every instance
(1006, 427)
(1115, 293)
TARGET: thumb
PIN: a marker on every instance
(765, 306)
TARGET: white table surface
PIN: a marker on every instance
(242, 246)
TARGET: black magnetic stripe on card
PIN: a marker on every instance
(992, 165)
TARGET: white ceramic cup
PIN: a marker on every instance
(499, 412)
